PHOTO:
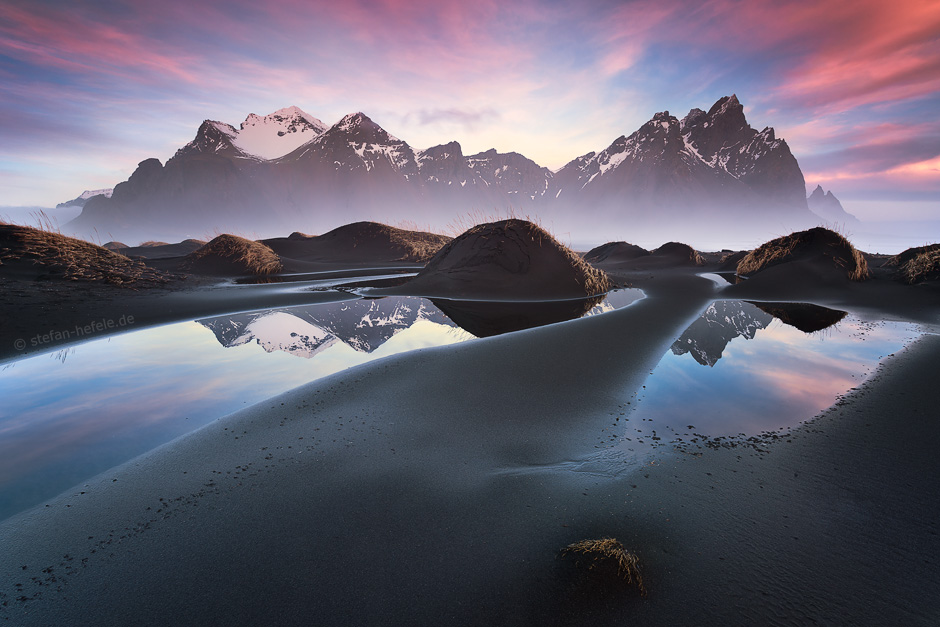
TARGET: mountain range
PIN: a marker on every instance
(305, 331)
(289, 171)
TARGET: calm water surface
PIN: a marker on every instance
(739, 371)
(67, 416)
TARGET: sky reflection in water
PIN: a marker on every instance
(740, 371)
(69, 415)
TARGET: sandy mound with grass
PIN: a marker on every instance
(817, 252)
(230, 255)
(806, 317)
(615, 251)
(628, 257)
(115, 246)
(360, 242)
(682, 253)
(916, 265)
(153, 250)
(728, 262)
(30, 253)
(508, 260)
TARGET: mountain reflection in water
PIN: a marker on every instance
(485, 318)
(366, 324)
(806, 317)
(725, 320)
(777, 376)
(363, 325)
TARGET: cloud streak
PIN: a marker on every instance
(851, 86)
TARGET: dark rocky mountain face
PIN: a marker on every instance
(707, 169)
(723, 321)
(825, 205)
(694, 173)
(363, 325)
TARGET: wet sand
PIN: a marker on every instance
(437, 487)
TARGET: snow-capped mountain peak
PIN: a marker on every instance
(276, 134)
(212, 137)
(88, 193)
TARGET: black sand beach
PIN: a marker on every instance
(440, 485)
(370, 498)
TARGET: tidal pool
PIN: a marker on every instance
(739, 371)
(71, 414)
(68, 415)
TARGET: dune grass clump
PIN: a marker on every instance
(607, 558)
(69, 258)
(410, 246)
(815, 242)
(680, 251)
(916, 265)
(511, 244)
(228, 254)
(618, 251)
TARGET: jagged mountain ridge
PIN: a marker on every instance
(710, 164)
(707, 165)
(81, 199)
(723, 321)
(363, 325)
(827, 206)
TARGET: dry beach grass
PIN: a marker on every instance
(608, 558)
(919, 264)
(230, 254)
(46, 254)
(817, 244)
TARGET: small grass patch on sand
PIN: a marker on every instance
(680, 251)
(919, 264)
(57, 256)
(819, 244)
(410, 246)
(608, 560)
(521, 249)
(230, 254)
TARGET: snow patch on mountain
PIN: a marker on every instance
(80, 200)
(276, 134)
(280, 331)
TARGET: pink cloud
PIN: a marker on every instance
(834, 55)
(846, 55)
(75, 43)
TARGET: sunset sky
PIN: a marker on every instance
(92, 88)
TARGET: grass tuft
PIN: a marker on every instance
(71, 258)
(609, 559)
(919, 264)
(815, 241)
(230, 253)
(590, 280)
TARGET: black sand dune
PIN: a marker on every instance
(360, 242)
(507, 260)
(487, 318)
(806, 317)
(817, 254)
(917, 265)
(615, 251)
(619, 256)
(29, 253)
(162, 250)
(230, 255)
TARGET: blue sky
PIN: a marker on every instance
(92, 88)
